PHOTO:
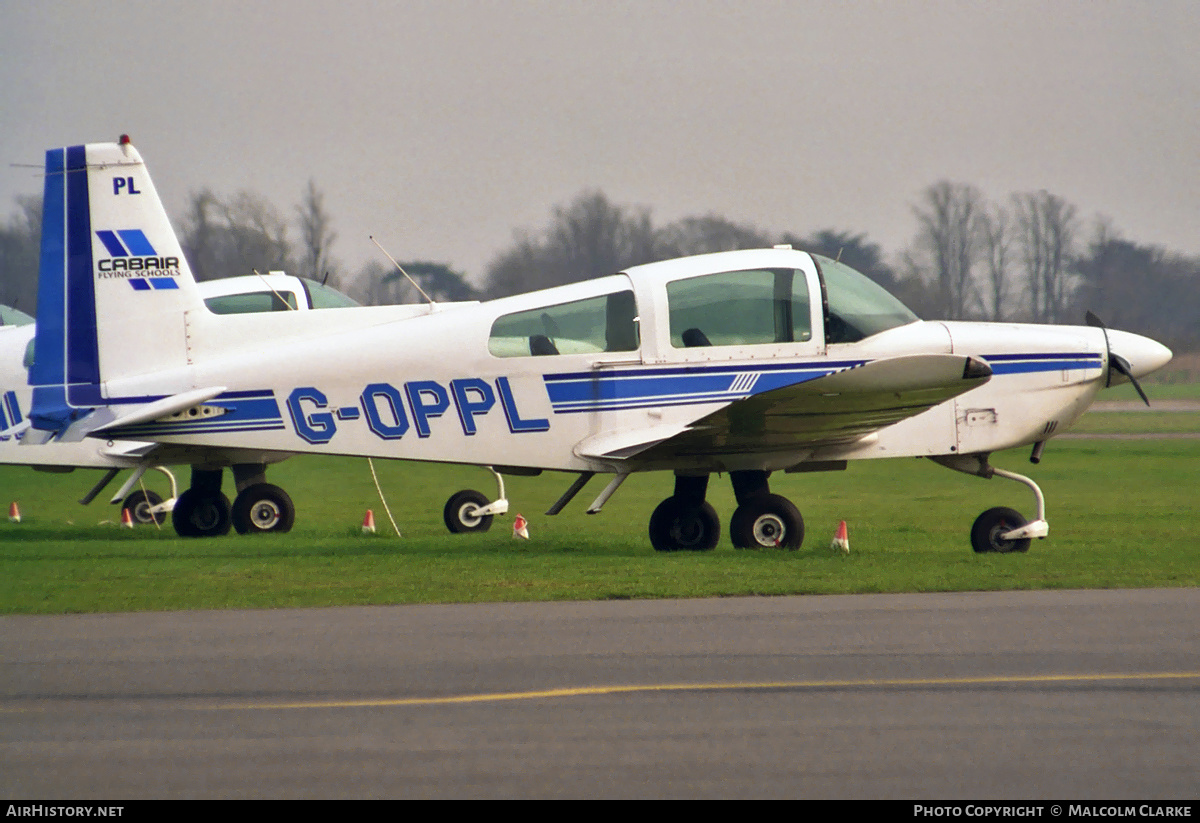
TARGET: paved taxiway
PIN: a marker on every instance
(1082, 694)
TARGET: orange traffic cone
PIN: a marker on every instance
(14, 513)
(368, 526)
(841, 539)
(126, 519)
(521, 527)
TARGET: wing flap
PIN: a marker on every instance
(840, 408)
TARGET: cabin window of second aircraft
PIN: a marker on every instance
(596, 324)
(740, 308)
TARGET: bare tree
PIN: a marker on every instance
(316, 236)
(592, 237)
(226, 238)
(946, 246)
(524, 266)
(702, 235)
(1047, 226)
(855, 250)
(198, 234)
(995, 235)
(438, 280)
(20, 255)
(589, 238)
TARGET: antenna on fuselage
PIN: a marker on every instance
(261, 277)
(402, 271)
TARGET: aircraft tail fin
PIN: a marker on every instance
(114, 287)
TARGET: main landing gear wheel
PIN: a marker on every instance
(140, 503)
(767, 521)
(201, 514)
(985, 534)
(462, 512)
(263, 508)
(681, 526)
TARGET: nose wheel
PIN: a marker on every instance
(464, 512)
(471, 511)
(145, 507)
(987, 535)
(1001, 529)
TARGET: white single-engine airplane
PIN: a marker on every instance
(274, 291)
(741, 362)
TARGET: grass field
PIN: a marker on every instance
(1122, 514)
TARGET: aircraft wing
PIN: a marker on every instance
(839, 408)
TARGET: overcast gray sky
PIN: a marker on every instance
(441, 127)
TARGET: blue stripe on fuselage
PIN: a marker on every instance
(1051, 361)
(583, 391)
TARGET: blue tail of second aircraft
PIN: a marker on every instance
(114, 287)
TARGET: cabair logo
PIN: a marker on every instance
(132, 257)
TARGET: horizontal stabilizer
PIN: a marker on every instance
(160, 408)
(14, 430)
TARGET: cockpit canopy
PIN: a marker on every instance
(747, 305)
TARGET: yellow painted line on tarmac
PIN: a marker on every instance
(589, 691)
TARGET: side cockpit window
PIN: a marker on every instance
(597, 324)
(740, 308)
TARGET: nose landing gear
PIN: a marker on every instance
(1000, 529)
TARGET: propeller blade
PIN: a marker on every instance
(1116, 362)
(1119, 363)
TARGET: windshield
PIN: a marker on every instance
(858, 306)
(326, 297)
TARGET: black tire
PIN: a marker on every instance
(139, 504)
(767, 521)
(460, 516)
(985, 534)
(201, 515)
(263, 508)
(679, 526)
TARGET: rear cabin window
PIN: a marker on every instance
(597, 324)
(740, 308)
